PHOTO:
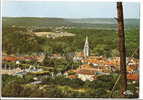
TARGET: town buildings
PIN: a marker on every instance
(94, 66)
(90, 66)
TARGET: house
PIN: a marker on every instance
(87, 72)
(18, 59)
(9, 58)
(72, 76)
(134, 76)
(40, 58)
(66, 74)
(56, 56)
(86, 75)
(94, 60)
(33, 69)
(20, 74)
(17, 62)
(78, 56)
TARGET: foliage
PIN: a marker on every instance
(42, 30)
(62, 87)
(101, 41)
(59, 65)
(17, 42)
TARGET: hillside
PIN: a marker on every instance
(57, 22)
(18, 37)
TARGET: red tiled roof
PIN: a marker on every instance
(133, 76)
(9, 58)
(113, 62)
(72, 76)
(131, 67)
(86, 66)
(84, 71)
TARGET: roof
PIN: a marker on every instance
(87, 69)
(102, 61)
(10, 58)
(86, 66)
(133, 76)
(56, 55)
(87, 72)
(72, 76)
(131, 67)
(79, 54)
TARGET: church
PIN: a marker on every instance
(81, 55)
(86, 48)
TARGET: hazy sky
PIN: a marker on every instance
(67, 9)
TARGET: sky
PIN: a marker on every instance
(65, 9)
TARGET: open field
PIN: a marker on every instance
(53, 34)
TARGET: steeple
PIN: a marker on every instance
(86, 48)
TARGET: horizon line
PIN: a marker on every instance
(67, 17)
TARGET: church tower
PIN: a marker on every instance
(86, 48)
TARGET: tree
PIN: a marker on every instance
(12, 89)
(99, 49)
(115, 53)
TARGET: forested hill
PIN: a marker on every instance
(81, 22)
(17, 37)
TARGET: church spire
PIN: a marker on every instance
(86, 48)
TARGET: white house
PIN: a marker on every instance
(85, 77)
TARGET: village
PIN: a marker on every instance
(90, 66)
(70, 50)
